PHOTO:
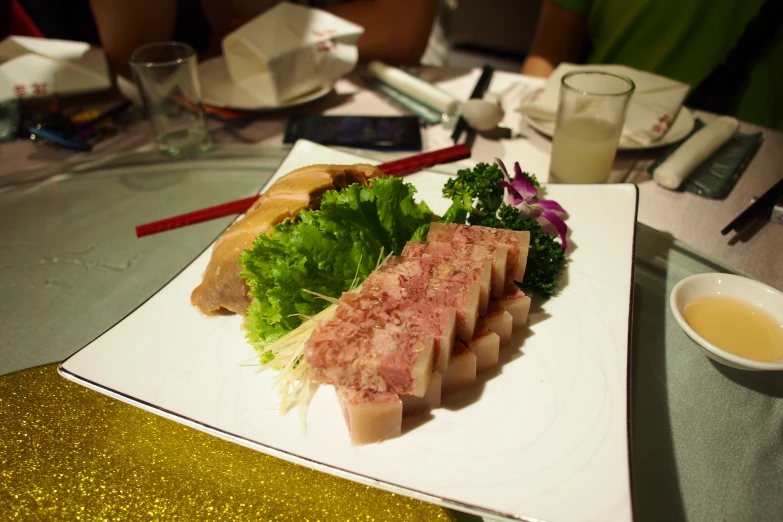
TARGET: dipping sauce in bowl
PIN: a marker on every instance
(735, 320)
(736, 326)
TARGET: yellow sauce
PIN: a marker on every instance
(737, 327)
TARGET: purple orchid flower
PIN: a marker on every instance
(521, 194)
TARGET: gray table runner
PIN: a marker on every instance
(707, 440)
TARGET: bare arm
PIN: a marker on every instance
(124, 25)
(395, 31)
(559, 36)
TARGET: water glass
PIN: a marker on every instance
(167, 76)
(590, 118)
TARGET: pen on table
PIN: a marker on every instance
(75, 137)
(59, 139)
(478, 92)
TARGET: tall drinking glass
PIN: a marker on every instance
(590, 118)
(167, 76)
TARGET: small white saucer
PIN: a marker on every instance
(218, 90)
(728, 285)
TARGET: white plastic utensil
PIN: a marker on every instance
(483, 115)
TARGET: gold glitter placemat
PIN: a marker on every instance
(69, 453)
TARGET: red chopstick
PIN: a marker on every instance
(422, 161)
(396, 168)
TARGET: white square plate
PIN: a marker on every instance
(545, 437)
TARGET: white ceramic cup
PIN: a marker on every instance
(727, 285)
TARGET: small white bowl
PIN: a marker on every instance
(728, 285)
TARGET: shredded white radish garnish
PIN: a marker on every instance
(322, 296)
(292, 381)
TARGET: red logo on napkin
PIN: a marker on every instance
(324, 33)
(325, 46)
(664, 122)
(38, 89)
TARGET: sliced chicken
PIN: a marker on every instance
(221, 287)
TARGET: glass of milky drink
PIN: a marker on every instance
(590, 118)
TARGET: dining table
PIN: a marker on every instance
(705, 440)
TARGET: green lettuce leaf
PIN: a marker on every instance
(326, 251)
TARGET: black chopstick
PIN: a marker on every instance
(478, 92)
(756, 209)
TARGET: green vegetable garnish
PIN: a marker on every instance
(326, 251)
(478, 196)
(481, 184)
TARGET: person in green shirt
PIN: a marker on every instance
(680, 39)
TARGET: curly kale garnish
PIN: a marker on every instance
(480, 184)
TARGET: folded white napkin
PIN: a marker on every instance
(414, 87)
(31, 67)
(651, 111)
(289, 51)
(673, 171)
